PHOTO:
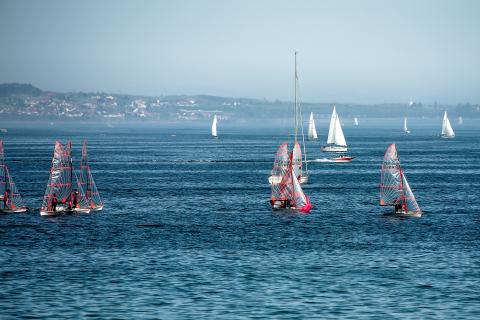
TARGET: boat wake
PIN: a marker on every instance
(322, 160)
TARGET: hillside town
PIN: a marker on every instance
(26, 102)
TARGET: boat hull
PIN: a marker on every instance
(402, 214)
(62, 211)
(447, 137)
(334, 148)
(97, 208)
(17, 210)
(342, 159)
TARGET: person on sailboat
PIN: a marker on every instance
(75, 199)
(54, 202)
(5, 199)
(398, 206)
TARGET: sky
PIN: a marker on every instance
(348, 51)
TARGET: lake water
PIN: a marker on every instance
(187, 230)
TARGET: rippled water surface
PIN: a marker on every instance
(187, 230)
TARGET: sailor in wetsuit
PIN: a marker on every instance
(398, 206)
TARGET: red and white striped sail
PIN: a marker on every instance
(394, 188)
(288, 188)
(9, 195)
(297, 160)
(88, 184)
(279, 172)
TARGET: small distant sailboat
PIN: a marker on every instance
(336, 140)
(355, 121)
(214, 127)
(88, 184)
(447, 131)
(460, 120)
(405, 128)
(11, 201)
(394, 188)
(60, 197)
(312, 131)
(287, 194)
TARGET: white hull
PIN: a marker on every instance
(444, 136)
(334, 149)
(407, 131)
(18, 210)
(276, 179)
(405, 214)
(97, 208)
(61, 210)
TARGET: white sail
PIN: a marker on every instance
(312, 131)
(355, 120)
(460, 120)
(447, 131)
(214, 126)
(405, 127)
(335, 132)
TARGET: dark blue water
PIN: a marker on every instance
(187, 231)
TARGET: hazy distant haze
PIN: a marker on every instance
(350, 51)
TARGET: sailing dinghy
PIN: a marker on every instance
(312, 131)
(11, 201)
(355, 121)
(405, 128)
(447, 131)
(287, 194)
(394, 188)
(60, 197)
(297, 150)
(214, 127)
(88, 184)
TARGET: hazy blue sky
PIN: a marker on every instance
(349, 51)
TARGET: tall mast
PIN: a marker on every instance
(295, 96)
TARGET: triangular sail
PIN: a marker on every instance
(297, 160)
(391, 187)
(87, 183)
(447, 130)
(409, 202)
(355, 121)
(298, 197)
(312, 131)
(280, 185)
(405, 128)
(61, 176)
(335, 132)
(82, 201)
(9, 194)
(214, 126)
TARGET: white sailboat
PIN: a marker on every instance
(214, 127)
(447, 131)
(312, 131)
(355, 121)
(297, 159)
(336, 140)
(405, 128)
(460, 120)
